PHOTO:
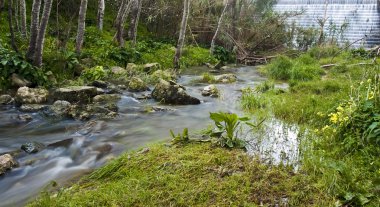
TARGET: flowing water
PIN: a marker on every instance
(95, 142)
(360, 18)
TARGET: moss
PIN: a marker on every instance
(196, 174)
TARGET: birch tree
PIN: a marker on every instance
(23, 17)
(182, 33)
(81, 26)
(135, 17)
(41, 33)
(10, 22)
(212, 48)
(100, 16)
(34, 27)
(120, 21)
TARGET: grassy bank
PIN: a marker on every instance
(196, 174)
(340, 107)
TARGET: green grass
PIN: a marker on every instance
(196, 174)
(335, 154)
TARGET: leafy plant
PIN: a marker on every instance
(228, 129)
(125, 55)
(222, 54)
(95, 73)
(11, 62)
(180, 138)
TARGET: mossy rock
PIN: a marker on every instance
(137, 85)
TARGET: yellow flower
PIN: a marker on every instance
(369, 81)
(361, 83)
(334, 118)
(341, 109)
(320, 114)
(371, 95)
(316, 130)
(325, 128)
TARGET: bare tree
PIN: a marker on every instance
(100, 16)
(212, 48)
(322, 23)
(41, 33)
(81, 26)
(10, 22)
(135, 16)
(34, 27)
(182, 33)
(120, 21)
(23, 17)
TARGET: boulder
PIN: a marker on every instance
(32, 147)
(27, 95)
(61, 108)
(76, 94)
(165, 75)
(150, 67)
(19, 81)
(173, 93)
(210, 90)
(6, 100)
(31, 108)
(226, 78)
(106, 98)
(118, 70)
(24, 117)
(7, 162)
(132, 66)
(99, 84)
(137, 85)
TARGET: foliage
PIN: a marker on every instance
(222, 54)
(95, 73)
(208, 78)
(180, 138)
(125, 55)
(11, 62)
(229, 129)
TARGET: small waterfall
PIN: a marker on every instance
(360, 17)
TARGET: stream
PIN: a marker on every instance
(89, 145)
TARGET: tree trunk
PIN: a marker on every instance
(234, 14)
(23, 17)
(15, 14)
(10, 17)
(121, 22)
(182, 34)
(120, 13)
(135, 16)
(2, 4)
(322, 23)
(212, 48)
(34, 27)
(41, 33)
(81, 26)
(100, 17)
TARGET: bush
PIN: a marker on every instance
(11, 62)
(95, 73)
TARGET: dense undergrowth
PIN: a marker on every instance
(341, 107)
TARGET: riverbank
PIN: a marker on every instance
(196, 174)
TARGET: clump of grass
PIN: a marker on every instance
(304, 68)
(196, 174)
(265, 86)
(207, 78)
(251, 100)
